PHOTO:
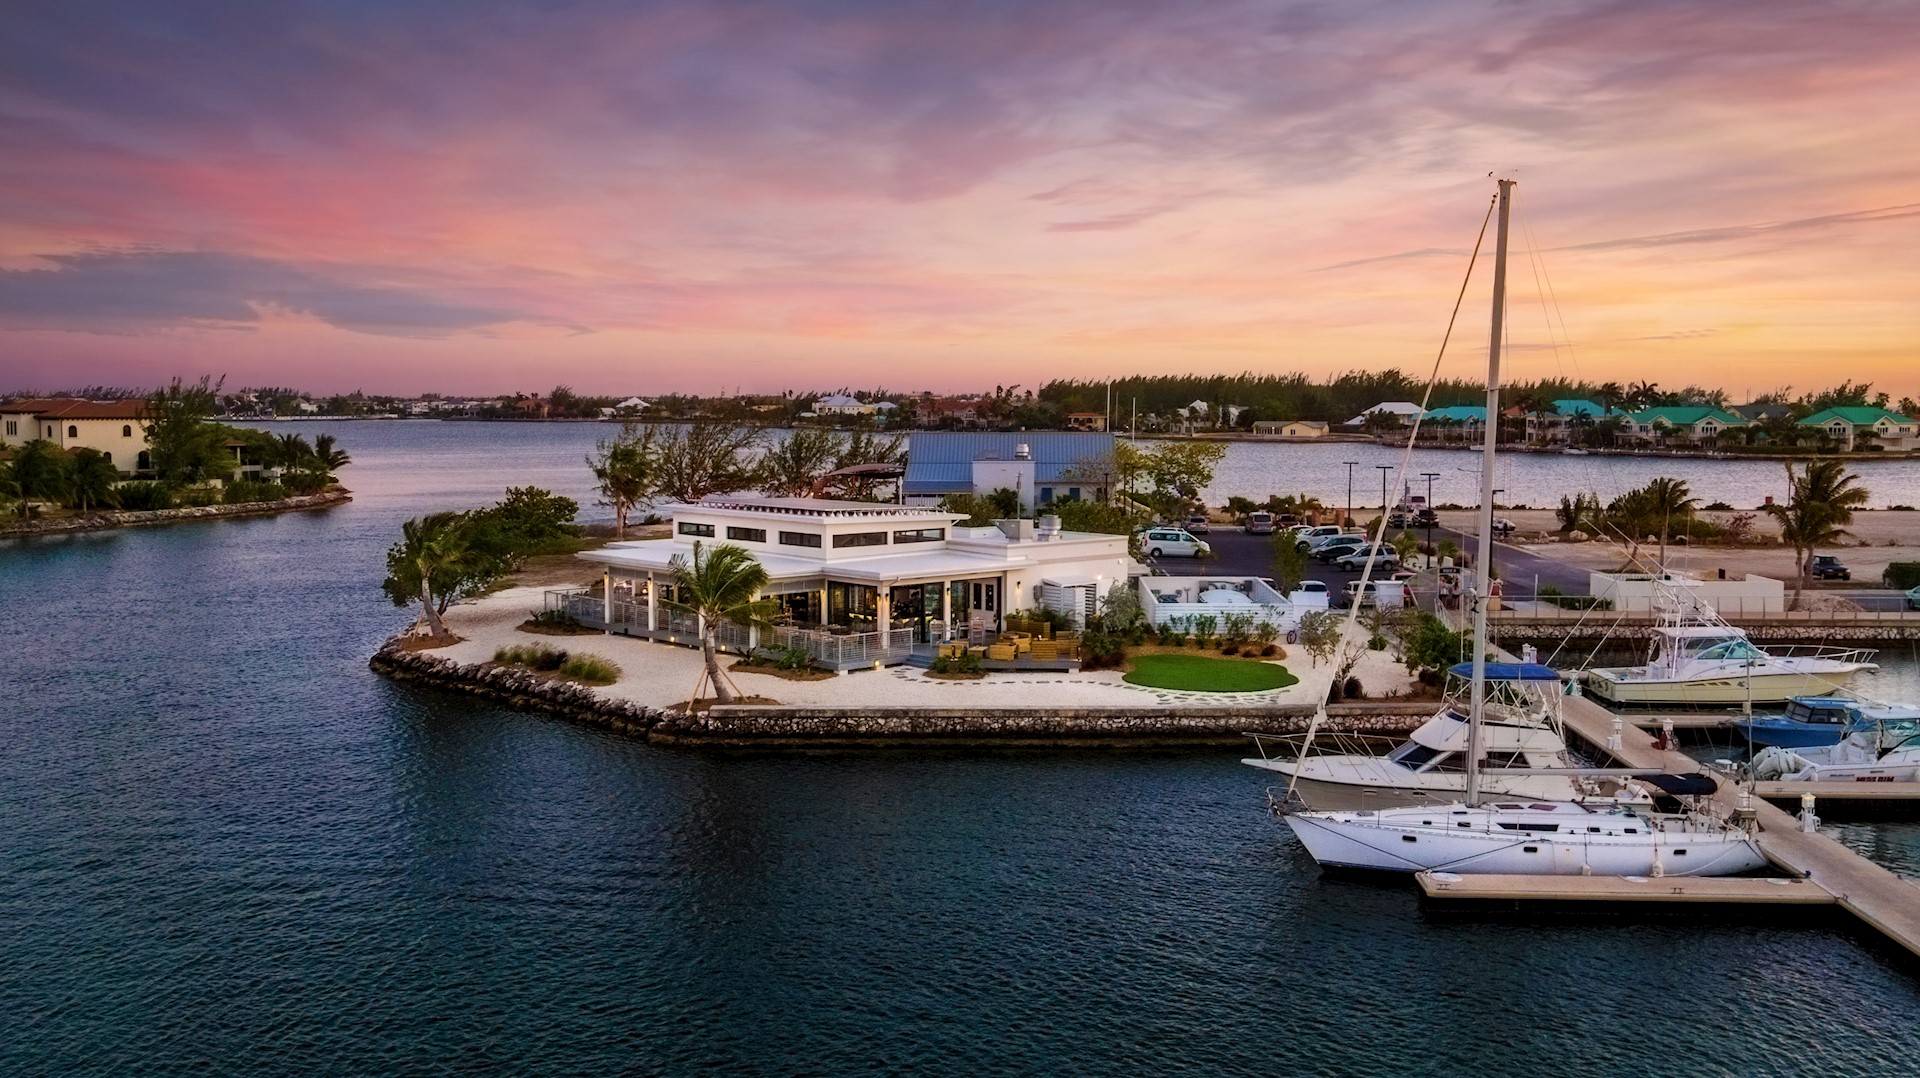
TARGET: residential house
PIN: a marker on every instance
(841, 404)
(1455, 423)
(1857, 428)
(1089, 421)
(1682, 423)
(1041, 466)
(1402, 412)
(858, 583)
(1291, 428)
(533, 407)
(1553, 425)
(949, 411)
(112, 427)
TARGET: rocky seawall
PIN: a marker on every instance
(104, 520)
(812, 728)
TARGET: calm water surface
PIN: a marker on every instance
(229, 848)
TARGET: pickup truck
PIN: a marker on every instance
(1828, 567)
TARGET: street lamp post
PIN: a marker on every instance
(1349, 517)
(1430, 477)
(1492, 547)
(1384, 469)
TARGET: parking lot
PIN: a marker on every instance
(1235, 553)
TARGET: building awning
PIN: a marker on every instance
(1509, 672)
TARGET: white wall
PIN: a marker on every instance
(1635, 593)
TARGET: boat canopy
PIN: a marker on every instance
(1509, 672)
(1683, 785)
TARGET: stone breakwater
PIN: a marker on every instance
(515, 688)
(147, 517)
(765, 727)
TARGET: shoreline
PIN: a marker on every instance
(815, 728)
(145, 518)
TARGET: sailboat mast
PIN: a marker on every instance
(1484, 558)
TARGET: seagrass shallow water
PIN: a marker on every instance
(229, 848)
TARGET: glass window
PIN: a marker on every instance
(688, 527)
(13, 426)
(920, 535)
(73, 431)
(126, 430)
(1413, 755)
(799, 539)
(860, 539)
(751, 535)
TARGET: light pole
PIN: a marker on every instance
(1493, 547)
(1349, 517)
(1430, 477)
(1384, 469)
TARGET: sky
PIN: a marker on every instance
(481, 197)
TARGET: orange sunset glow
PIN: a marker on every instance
(483, 197)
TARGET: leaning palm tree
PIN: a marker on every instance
(432, 549)
(719, 584)
(291, 449)
(1820, 505)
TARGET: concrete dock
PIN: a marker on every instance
(1875, 895)
(1666, 890)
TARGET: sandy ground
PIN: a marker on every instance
(1879, 536)
(658, 675)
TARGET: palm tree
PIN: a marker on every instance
(1667, 498)
(430, 547)
(330, 458)
(291, 449)
(625, 473)
(1644, 394)
(721, 584)
(94, 478)
(1609, 394)
(1819, 507)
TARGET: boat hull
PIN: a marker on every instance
(1358, 845)
(1792, 735)
(1775, 688)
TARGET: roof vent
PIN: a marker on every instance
(1023, 451)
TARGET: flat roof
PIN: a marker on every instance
(814, 507)
(658, 554)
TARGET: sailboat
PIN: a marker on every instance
(1543, 837)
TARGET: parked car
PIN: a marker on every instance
(1314, 545)
(1260, 522)
(1173, 543)
(1504, 527)
(1913, 597)
(1197, 525)
(1310, 587)
(1828, 567)
(1307, 536)
(1426, 518)
(1375, 593)
(1339, 548)
(1386, 558)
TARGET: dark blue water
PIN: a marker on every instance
(229, 848)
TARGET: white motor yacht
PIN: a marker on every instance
(1698, 658)
(1888, 751)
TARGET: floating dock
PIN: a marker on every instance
(1665, 890)
(1876, 896)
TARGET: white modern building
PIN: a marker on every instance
(116, 428)
(858, 583)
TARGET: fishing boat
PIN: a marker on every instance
(1696, 657)
(1808, 722)
(1516, 835)
(1522, 746)
(1882, 744)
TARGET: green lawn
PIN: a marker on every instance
(1201, 673)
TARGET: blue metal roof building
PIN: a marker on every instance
(941, 462)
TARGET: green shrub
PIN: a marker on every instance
(303, 483)
(1902, 575)
(240, 491)
(591, 669)
(144, 496)
(555, 619)
(196, 497)
(792, 658)
(531, 656)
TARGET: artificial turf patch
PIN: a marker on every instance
(1200, 673)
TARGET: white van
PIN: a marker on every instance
(1260, 522)
(1172, 543)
